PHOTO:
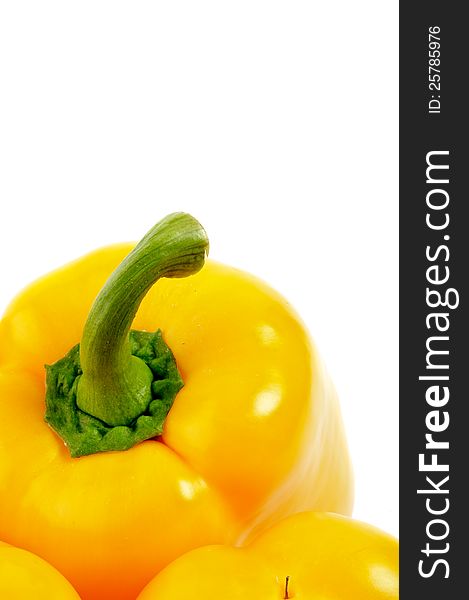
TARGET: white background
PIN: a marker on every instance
(274, 123)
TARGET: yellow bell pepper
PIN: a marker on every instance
(25, 576)
(116, 488)
(307, 556)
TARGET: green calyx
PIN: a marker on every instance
(85, 434)
(115, 388)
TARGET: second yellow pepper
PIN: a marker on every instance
(25, 576)
(308, 556)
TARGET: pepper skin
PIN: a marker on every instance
(24, 575)
(308, 556)
(254, 435)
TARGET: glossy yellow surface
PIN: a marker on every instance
(25, 576)
(308, 556)
(254, 435)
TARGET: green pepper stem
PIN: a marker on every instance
(115, 386)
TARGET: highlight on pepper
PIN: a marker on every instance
(185, 405)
